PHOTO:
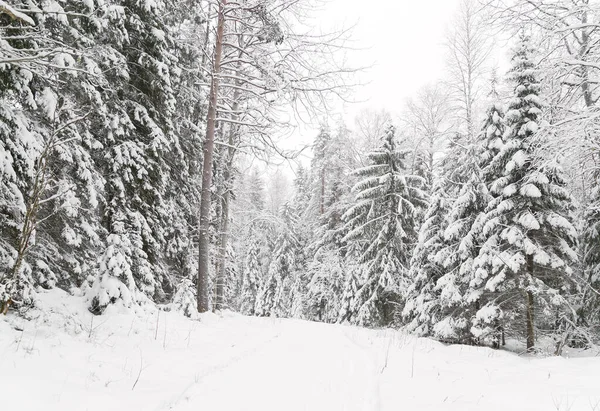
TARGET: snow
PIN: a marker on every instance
(528, 221)
(89, 4)
(530, 190)
(56, 11)
(159, 35)
(48, 100)
(6, 8)
(518, 160)
(509, 190)
(157, 360)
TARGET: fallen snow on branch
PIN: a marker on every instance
(15, 14)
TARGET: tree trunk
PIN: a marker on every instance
(209, 145)
(322, 202)
(29, 226)
(224, 232)
(224, 229)
(529, 308)
(223, 237)
(586, 89)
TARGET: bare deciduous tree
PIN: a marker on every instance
(468, 43)
(263, 51)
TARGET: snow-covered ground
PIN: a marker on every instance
(61, 359)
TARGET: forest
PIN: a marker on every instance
(138, 140)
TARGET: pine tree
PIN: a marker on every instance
(526, 258)
(382, 228)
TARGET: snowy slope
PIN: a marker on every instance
(67, 362)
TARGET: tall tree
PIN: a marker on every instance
(468, 47)
(137, 135)
(428, 120)
(275, 297)
(209, 141)
(267, 65)
(422, 299)
(382, 228)
(527, 257)
(49, 228)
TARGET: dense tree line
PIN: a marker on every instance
(121, 120)
(473, 220)
(130, 132)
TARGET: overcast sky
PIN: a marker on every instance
(405, 43)
(402, 39)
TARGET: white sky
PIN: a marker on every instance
(405, 43)
(401, 39)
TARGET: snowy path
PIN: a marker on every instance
(161, 361)
(305, 367)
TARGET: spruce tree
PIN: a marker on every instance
(527, 254)
(589, 312)
(348, 299)
(252, 276)
(137, 135)
(421, 310)
(326, 274)
(468, 184)
(381, 227)
(462, 244)
(275, 296)
(51, 235)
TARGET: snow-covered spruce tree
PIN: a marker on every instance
(136, 135)
(462, 235)
(492, 138)
(275, 297)
(319, 170)
(462, 243)
(421, 310)
(51, 234)
(382, 229)
(525, 261)
(252, 276)
(16, 148)
(326, 278)
(444, 313)
(350, 288)
(327, 270)
(590, 250)
(233, 281)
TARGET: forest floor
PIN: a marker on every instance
(62, 358)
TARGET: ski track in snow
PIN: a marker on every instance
(234, 363)
(296, 372)
(198, 379)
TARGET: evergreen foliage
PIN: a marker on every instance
(381, 228)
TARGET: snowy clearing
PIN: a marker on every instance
(122, 361)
